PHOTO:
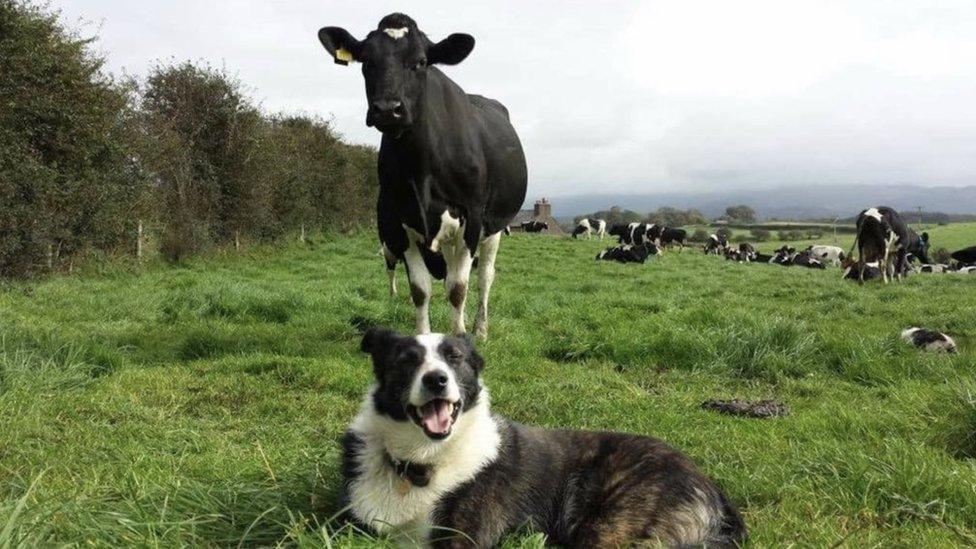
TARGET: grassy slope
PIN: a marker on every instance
(202, 404)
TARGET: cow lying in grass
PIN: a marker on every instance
(629, 253)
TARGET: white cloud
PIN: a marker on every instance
(620, 96)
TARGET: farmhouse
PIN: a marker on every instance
(542, 212)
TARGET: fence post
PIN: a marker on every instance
(237, 240)
(139, 240)
(302, 237)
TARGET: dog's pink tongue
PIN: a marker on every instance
(436, 416)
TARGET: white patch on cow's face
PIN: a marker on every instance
(873, 212)
(397, 34)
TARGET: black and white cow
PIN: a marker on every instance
(670, 237)
(834, 255)
(631, 233)
(716, 244)
(934, 268)
(535, 226)
(783, 256)
(883, 236)
(806, 259)
(629, 253)
(852, 271)
(452, 172)
(588, 226)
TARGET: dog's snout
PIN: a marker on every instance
(435, 382)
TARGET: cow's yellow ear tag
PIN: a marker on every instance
(343, 56)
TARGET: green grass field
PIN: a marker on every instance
(202, 405)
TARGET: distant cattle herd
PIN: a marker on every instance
(887, 248)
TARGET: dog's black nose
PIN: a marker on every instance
(434, 381)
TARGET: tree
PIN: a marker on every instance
(741, 214)
(68, 181)
(674, 217)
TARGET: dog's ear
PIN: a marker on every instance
(474, 359)
(377, 338)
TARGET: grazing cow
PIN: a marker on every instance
(965, 256)
(806, 259)
(632, 233)
(883, 236)
(716, 244)
(833, 255)
(583, 227)
(929, 340)
(452, 172)
(535, 226)
(934, 268)
(629, 253)
(674, 236)
(588, 226)
(731, 254)
(967, 270)
(763, 258)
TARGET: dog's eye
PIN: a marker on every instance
(408, 357)
(455, 354)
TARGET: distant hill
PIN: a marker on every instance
(784, 203)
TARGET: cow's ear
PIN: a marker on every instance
(340, 44)
(451, 50)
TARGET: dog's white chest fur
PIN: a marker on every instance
(382, 500)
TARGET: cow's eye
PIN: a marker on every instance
(421, 63)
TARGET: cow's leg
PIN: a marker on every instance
(420, 286)
(486, 275)
(391, 262)
(458, 259)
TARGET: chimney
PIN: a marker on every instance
(543, 208)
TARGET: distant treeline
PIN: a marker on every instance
(671, 217)
(89, 163)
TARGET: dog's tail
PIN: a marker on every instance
(730, 530)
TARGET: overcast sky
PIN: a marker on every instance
(627, 96)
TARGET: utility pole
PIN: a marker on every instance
(919, 218)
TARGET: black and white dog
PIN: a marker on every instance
(426, 459)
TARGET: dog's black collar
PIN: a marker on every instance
(416, 473)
